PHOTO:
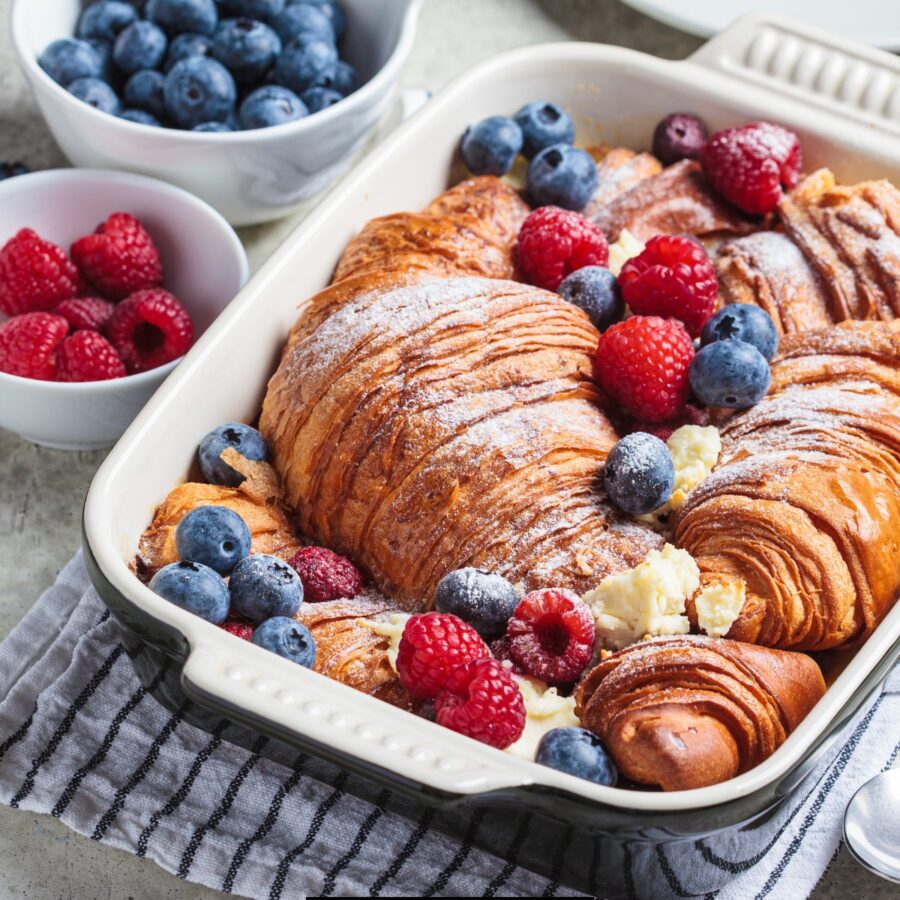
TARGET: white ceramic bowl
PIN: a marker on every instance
(205, 267)
(252, 176)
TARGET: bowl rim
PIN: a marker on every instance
(72, 175)
(374, 87)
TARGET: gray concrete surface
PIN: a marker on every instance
(41, 491)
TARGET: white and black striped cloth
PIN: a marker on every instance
(83, 740)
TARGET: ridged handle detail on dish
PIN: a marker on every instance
(799, 61)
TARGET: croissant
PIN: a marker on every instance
(809, 481)
(684, 713)
(424, 423)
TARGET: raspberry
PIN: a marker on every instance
(502, 653)
(690, 415)
(35, 275)
(554, 242)
(149, 329)
(88, 356)
(85, 313)
(482, 701)
(119, 258)
(239, 628)
(748, 166)
(326, 576)
(671, 277)
(642, 364)
(28, 345)
(551, 636)
(432, 646)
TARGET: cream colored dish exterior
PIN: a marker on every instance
(251, 176)
(615, 95)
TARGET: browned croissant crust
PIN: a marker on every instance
(804, 507)
(689, 712)
(618, 171)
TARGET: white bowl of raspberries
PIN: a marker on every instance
(106, 281)
(254, 105)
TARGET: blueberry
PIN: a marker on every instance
(318, 98)
(12, 169)
(199, 90)
(491, 146)
(146, 90)
(484, 600)
(104, 50)
(562, 176)
(215, 127)
(304, 19)
(178, 16)
(68, 59)
(233, 435)
(577, 752)
(678, 136)
(346, 79)
(743, 322)
(194, 587)
(263, 10)
(104, 20)
(289, 639)
(335, 14)
(263, 587)
(140, 117)
(214, 536)
(639, 475)
(596, 291)
(731, 373)
(543, 125)
(96, 93)
(186, 45)
(307, 62)
(246, 47)
(140, 46)
(270, 106)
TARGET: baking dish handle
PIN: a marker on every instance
(802, 63)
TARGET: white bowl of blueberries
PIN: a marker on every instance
(253, 105)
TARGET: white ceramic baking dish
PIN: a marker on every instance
(844, 101)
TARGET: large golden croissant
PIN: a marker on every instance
(424, 420)
(804, 507)
(688, 712)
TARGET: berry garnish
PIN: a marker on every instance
(232, 436)
(482, 701)
(263, 587)
(194, 587)
(555, 242)
(551, 636)
(287, 638)
(326, 576)
(690, 415)
(85, 313)
(35, 275)
(88, 356)
(214, 536)
(732, 373)
(239, 628)
(749, 166)
(678, 136)
(642, 364)
(595, 290)
(562, 176)
(639, 475)
(544, 125)
(491, 146)
(432, 646)
(673, 278)
(484, 600)
(28, 345)
(743, 322)
(119, 258)
(577, 752)
(150, 329)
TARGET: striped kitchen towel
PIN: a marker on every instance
(83, 740)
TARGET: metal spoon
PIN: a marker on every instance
(872, 825)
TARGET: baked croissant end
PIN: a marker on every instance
(689, 712)
(804, 507)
